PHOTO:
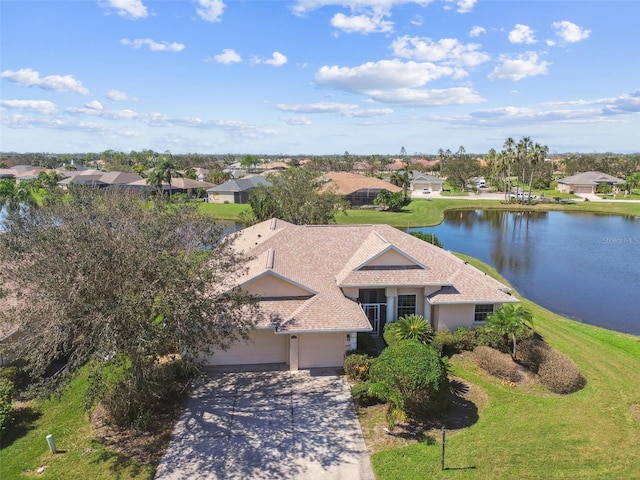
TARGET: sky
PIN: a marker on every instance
(318, 77)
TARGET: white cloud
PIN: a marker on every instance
(94, 105)
(31, 78)
(570, 32)
(417, 21)
(428, 97)
(381, 75)
(303, 121)
(361, 23)
(320, 107)
(476, 31)
(132, 9)
(44, 107)
(277, 60)
(227, 56)
(343, 109)
(465, 6)
(522, 34)
(153, 45)
(447, 50)
(210, 10)
(118, 96)
(525, 65)
(301, 7)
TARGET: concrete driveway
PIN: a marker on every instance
(268, 425)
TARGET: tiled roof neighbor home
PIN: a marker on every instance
(235, 190)
(357, 189)
(320, 285)
(587, 182)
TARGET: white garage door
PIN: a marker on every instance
(583, 189)
(264, 346)
(321, 350)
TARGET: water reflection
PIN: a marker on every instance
(583, 266)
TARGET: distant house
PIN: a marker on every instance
(98, 178)
(587, 182)
(235, 190)
(21, 172)
(183, 185)
(318, 286)
(423, 181)
(357, 189)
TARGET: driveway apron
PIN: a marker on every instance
(268, 425)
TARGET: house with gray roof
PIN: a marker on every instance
(235, 190)
(318, 286)
(587, 182)
(422, 181)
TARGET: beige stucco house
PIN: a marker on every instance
(236, 190)
(320, 285)
(587, 182)
(423, 181)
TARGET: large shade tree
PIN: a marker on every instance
(103, 275)
(296, 195)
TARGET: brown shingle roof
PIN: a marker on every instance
(323, 259)
(346, 183)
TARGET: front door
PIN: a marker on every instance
(373, 314)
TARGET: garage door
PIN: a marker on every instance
(583, 189)
(321, 350)
(263, 346)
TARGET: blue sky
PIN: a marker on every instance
(318, 76)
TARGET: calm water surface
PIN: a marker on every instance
(582, 266)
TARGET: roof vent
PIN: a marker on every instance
(270, 258)
(274, 222)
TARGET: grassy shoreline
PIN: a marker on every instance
(429, 212)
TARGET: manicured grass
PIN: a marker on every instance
(421, 213)
(591, 434)
(224, 211)
(25, 448)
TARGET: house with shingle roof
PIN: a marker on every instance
(587, 182)
(357, 189)
(318, 286)
(235, 190)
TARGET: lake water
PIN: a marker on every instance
(582, 266)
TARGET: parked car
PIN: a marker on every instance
(522, 196)
(426, 190)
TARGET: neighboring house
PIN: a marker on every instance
(357, 189)
(98, 178)
(587, 182)
(235, 190)
(320, 285)
(21, 172)
(423, 181)
(186, 186)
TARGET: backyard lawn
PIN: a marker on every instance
(591, 434)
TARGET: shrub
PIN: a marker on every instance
(445, 343)
(388, 334)
(361, 396)
(356, 367)
(413, 370)
(428, 237)
(6, 403)
(559, 374)
(531, 353)
(367, 344)
(412, 327)
(137, 404)
(495, 363)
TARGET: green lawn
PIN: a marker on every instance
(592, 434)
(25, 448)
(421, 213)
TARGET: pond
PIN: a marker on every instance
(582, 266)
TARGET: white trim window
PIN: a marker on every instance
(482, 311)
(406, 305)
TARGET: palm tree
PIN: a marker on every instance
(538, 154)
(163, 172)
(523, 154)
(510, 320)
(509, 157)
(413, 327)
(16, 195)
